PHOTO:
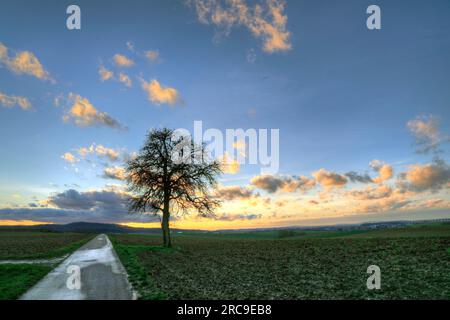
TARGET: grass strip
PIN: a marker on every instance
(138, 276)
(16, 279)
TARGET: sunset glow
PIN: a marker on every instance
(363, 135)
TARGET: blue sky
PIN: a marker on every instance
(341, 95)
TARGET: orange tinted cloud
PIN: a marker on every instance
(68, 157)
(24, 62)
(234, 193)
(11, 101)
(159, 94)
(266, 21)
(122, 61)
(229, 165)
(432, 176)
(329, 179)
(105, 74)
(152, 55)
(117, 173)
(272, 183)
(125, 79)
(385, 173)
(83, 114)
(100, 151)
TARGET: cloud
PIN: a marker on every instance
(83, 151)
(382, 205)
(427, 135)
(251, 56)
(265, 21)
(130, 46)
(57, 100)
(229, 165)
(234, 217)
(105, 74)
(385, 171)
(356, 177)
(241, 147)
(112, 154)
(122, 61)
(117, 173)
(125, 79)
(234, 193)
(152, 55)
(98, 201)
(329, 179)
(376, 164)
(102, 206)
(371, 192)
(272, 183)
(24, 62)
(84, 114)
(11, 101)
(103, 152)
(62, 216)
(68, 157)
(429, 177)
(122, 77)
(159, 94)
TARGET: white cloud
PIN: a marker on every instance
(130, 46)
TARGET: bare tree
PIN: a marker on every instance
(171, 176)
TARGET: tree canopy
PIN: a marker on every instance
(171, 175)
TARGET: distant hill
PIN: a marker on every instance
(89, 227)
(84, 227)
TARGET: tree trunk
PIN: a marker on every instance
(166, 230)
(165, 225)
(163, 234)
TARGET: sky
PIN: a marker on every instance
(362, 114)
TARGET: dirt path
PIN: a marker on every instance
(102, 276)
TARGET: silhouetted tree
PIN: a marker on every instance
(171, 175)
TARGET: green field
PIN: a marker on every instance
(15, 279)
(414, 262)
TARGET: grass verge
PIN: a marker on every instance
(15, 279)
(138, 276)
